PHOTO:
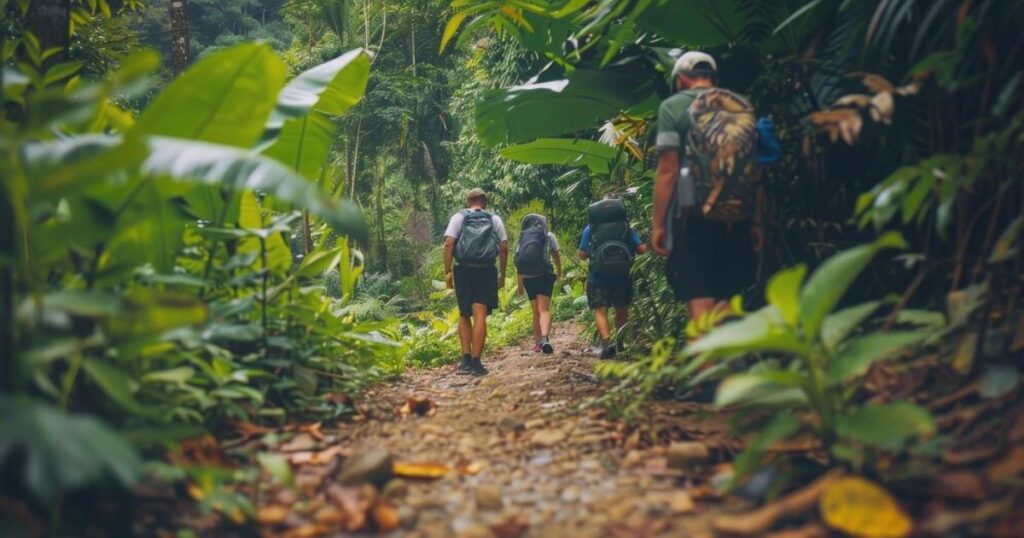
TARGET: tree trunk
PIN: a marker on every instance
(382, 246)
(50, 22)
(180, 51)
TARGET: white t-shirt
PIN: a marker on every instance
(455, 226)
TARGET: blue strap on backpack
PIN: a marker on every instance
(769, 149)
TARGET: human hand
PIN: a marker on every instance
(757, 237)
(658, 241)
(449, 280)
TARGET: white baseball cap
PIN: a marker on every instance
(690, 60)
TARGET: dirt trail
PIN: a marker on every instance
(549, 468)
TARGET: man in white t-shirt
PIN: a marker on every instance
(475, 238)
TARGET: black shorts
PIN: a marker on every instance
(539, 285)
(618, 295)
(710, 259)
(475, 285)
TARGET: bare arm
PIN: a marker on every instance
(664, 184)
(502, 262)
(556, 256)
(449, 251)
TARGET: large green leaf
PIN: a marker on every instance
(842, 323)
(150, 230)
(279, 255)
(856, 357)
(595, 156)
(783, 292)
(62, 452)
(581, 101)
(759, 386)
(224, 97)
(115, 383)
(763, 330)
(829, 283)
(237, 169)
(696, 23)
(886, 426)
(60, 168)
(300, 126)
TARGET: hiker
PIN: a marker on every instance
(707, 195)
(536, 250)
(475, 238)
(610, 245)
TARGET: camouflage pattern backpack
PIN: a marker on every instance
(722, 148)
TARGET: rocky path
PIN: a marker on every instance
(527, 456)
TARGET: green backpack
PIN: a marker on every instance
(722, 150)
(610, 250)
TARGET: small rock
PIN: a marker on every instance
(396, 488)
(543, 457)
(509, 424)
(571, 494)
(534, 423)
(547, 437)
(488, 497)
(474, 530)
(633, 459)
(373, 466)
(687, 454)
(680, 502)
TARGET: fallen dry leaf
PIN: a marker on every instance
(419, 469)
(273, 514)
(313, 429)
(861, 508)
(249, 430)
(512, 526)
(329, 515)
(304, 441)
(421, 406)
(200, 451)
(385, 517)
(308, 530)
(874, 83)
(313, 457)
(1008, 467)
(354, 503)
(470, 468)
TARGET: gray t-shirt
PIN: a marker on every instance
(455, 226)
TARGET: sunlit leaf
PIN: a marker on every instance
(862, 509)
(783, 292)
(420, 469)
(597, 157)
(739, 388)
(840, 324)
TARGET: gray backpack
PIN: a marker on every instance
(478, 241)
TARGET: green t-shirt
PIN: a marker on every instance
(674, 119)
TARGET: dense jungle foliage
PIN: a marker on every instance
(224, 246)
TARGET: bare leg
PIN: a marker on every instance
(465, 334)
(479, 328)
(537, 331)
(700, 307)
(621, 316)
(601, 320)
(542, 315)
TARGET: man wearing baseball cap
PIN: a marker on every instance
(709, 260)
(475, 239)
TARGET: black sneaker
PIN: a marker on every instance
(466, 366)
(545, 345)
(608, 351)
(476, 367)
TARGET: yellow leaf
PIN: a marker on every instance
(420, 469)
(452, 27)
(860, 508)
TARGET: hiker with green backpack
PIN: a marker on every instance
(707, 196)
(610, 245)
(536, 249)
(475, 239)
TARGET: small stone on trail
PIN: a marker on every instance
(396, 488)
(509, 424)
(543, 457)
(535, 423)
(681, 502)
(633, 459)
(687, 454)
(373, 466)
(548, 437)
(488, 497)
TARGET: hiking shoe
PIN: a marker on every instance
(466, 366)
(608, 351)
(545, 345)
(477, 367)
